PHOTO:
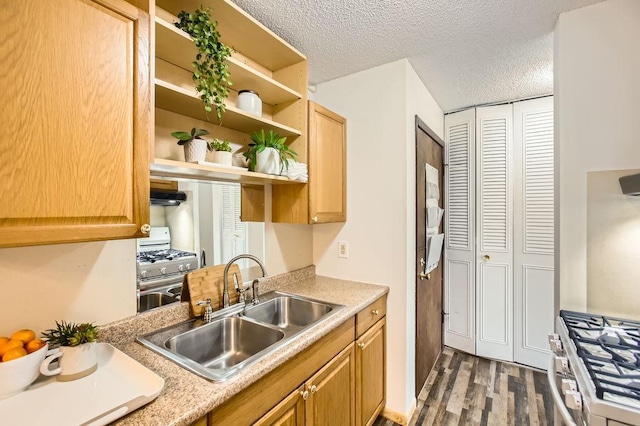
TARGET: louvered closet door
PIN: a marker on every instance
(533, 225)
(459, 257)
(494, 284)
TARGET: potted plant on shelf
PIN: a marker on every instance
(221, 151)
(211, 71)
(77, 350)
(268, 153)
(195, 149)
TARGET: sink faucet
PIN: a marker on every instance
(208, 310)
(225, 277)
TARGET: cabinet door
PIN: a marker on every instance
(332, 392)
(327, 165)
(75, 140)
(290, 412)
(370, 373)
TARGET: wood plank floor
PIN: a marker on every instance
(463, 389)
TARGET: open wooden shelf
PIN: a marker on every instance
(176, 47)
(240, 31)
(180, 169)
(182, 101)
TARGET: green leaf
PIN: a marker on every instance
(183, 136)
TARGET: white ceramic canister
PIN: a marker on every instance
(249, 101)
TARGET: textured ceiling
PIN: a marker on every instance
(467, 52)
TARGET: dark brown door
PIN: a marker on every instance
(429, 150)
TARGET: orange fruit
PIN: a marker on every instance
(3, 340)
(25, 335)
(14, 353)
(34, 345)
(11, 344)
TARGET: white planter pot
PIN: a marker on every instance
(268, 161)
(195, 151)
(74, 362)
(222, 157)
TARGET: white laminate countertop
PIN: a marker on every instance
(186, 397)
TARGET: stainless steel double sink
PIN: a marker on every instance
(238, 335)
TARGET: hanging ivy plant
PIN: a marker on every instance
(211, 74)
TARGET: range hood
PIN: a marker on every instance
(167, 198)
(630, 184)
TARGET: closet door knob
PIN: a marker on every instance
(486, 257)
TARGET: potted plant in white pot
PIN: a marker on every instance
(76, 353)
(268, 153)
(195, 149)
(221, 151)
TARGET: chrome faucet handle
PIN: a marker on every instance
(239, 289)
(208, 310)
(255, 290)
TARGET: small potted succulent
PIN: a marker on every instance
(268, 153)
(221, 151)
(195, 149)
(77, 353)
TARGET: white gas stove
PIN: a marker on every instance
(598, 359)
(161, 269)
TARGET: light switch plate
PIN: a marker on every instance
(343, 249)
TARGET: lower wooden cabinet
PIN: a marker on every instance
(290, 412)
(371, 373)
(327, 398)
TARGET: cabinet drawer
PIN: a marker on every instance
(370, 315)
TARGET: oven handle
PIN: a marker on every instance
(160, 282)
(555, 393)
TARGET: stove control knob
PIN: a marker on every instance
(555, 346)
(569, 385)
(163, 271)
(562, 364)
(188, 266)
(180, 268)
(573, 400)
(143, 274)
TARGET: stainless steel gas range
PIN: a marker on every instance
(597, 359)
(161, 269)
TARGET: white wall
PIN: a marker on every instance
(613, 235)
(380, 109)
(596, 69)
(82, 282)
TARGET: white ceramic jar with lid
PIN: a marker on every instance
(249, 101)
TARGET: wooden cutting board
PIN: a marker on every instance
(207, 283)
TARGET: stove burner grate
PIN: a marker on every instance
(610, 350)
(162, 255)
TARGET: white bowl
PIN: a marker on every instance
(18, 374)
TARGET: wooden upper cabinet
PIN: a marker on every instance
(327, 165)
(75, 142)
